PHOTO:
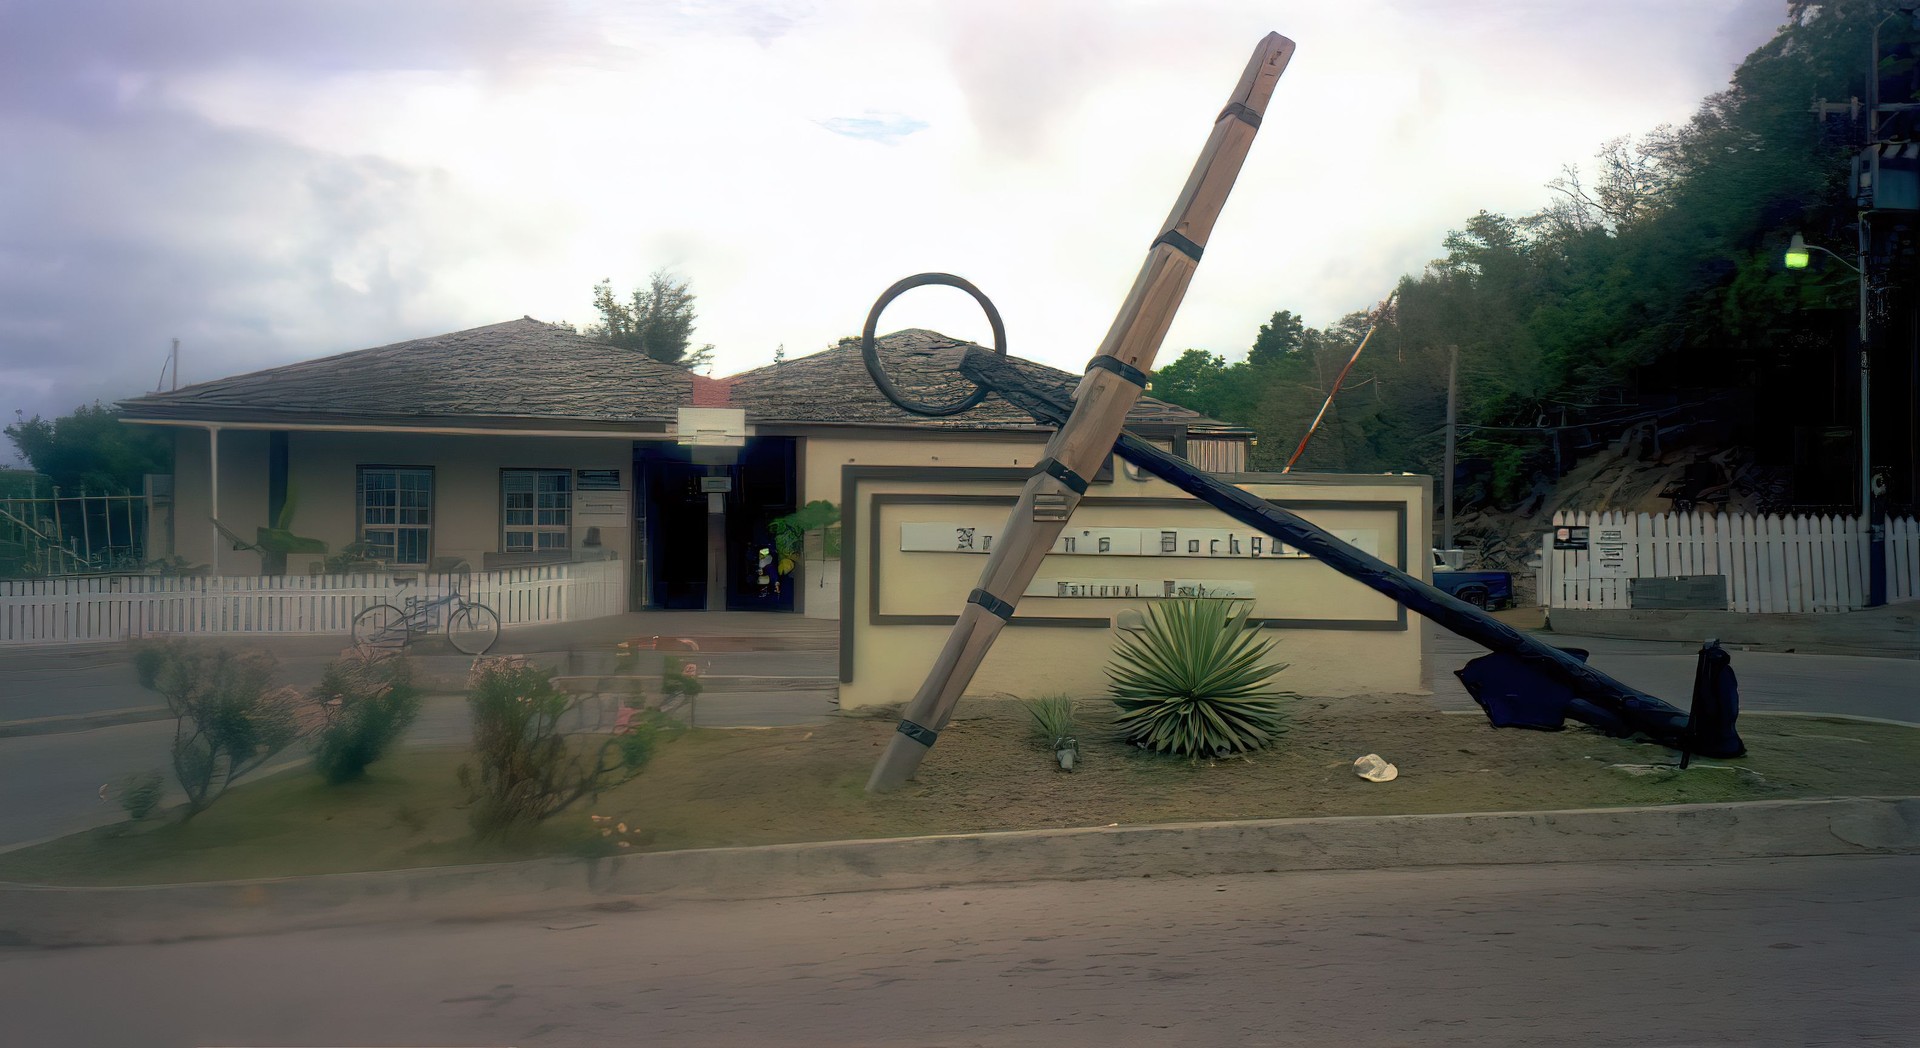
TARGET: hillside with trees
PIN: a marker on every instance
(1643, 307)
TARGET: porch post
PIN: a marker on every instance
(716, 545)
(213, 492)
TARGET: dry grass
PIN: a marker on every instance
(720, 788)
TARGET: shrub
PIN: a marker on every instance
(1054, 727)
(1191, 681)
(676, 684)
(137, 794)
(147, 660)
(229, 719)
(368, 700)
(525, 768)
(1053, 720)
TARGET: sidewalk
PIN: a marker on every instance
(47, 917)
(52, 689)
(1891, 632)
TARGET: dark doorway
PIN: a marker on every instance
(676, 530)
(759, 487)
(763, 491)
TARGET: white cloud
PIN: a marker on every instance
(269, 202)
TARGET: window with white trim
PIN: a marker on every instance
(396, 513)
(536, 510)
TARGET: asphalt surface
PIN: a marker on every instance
(1790, 951)
(1859, 686)
(55, 682)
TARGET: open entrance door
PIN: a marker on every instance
(763, 493)
(709, 527)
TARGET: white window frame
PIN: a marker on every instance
(538, 516)
(380, 524)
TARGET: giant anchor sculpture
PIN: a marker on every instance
(1530, 682)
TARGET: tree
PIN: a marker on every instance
(656, 320)
(1277, 338)
(91, 450)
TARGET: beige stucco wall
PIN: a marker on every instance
(890, 660)
(321, 472)
(243, 497)
(821, 459)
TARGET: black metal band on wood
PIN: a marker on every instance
(1106, 362)
(1058, 470)
(991, 603)
(921, 734)
(1178, 243)
(1240, 111)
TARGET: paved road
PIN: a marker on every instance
(56, 682)
(1860, 686)
(1800, 952)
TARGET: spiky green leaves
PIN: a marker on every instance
(1193, 680)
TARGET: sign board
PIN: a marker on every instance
(1225, 543)
(1124, 589)
(716, 485)
(1570, 538)
(712, 427)
(1609, 559)
(602, 508)
(596, 480)
(1684, 592)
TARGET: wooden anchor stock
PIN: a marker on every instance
(1113, 382)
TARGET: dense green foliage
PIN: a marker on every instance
(656, 320)
(369, 700)
(1192, 681)
(229, 718)
(91, 450)
(1655, 274)
(137, 794)
(526, 768)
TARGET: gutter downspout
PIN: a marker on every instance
(213, 498)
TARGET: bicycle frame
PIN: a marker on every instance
(419, 612)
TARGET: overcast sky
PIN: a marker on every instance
(271, 182)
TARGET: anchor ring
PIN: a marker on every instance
(870, 352)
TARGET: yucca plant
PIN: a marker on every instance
(1192, 681)
(1053, 728)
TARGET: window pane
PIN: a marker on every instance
(411, 547)
(553, 540)
(519, 540)
(395, 513)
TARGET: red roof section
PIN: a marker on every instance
(712, 392)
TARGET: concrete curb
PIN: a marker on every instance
(82, 721)
(32, 916)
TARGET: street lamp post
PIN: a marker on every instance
(1797, 258)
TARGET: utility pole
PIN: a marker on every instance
(1446, 482)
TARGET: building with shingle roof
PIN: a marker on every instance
(524, 443)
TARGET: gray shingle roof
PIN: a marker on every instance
(520, 372)
(832, 387)
(526, 373)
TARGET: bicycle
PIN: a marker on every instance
(472, 628)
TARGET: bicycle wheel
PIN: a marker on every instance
(473, 628)
(381, 626)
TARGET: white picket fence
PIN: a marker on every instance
(1771, 563)
(120, 607)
